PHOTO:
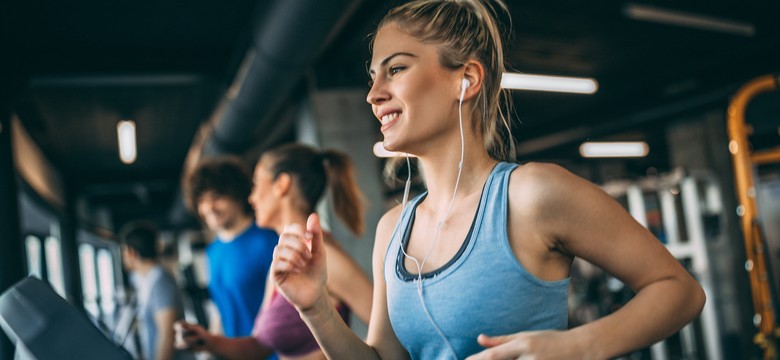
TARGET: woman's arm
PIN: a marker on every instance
(301, 276)
(572, 217)
(195, 338)
(347, 282)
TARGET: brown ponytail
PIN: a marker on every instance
(347, 198)
(312, 171)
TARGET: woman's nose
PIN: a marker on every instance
(377, 94)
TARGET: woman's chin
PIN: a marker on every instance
(391, 145)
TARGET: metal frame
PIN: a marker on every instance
(744, 162)
(691, 245)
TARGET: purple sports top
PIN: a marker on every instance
(280, 328)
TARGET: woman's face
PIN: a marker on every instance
(262, 198)
(413, 95)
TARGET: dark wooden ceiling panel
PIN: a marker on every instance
(166, 64)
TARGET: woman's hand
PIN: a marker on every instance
(191, 337)
(537, 345)
(298, 268)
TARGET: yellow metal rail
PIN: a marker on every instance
(744, 161)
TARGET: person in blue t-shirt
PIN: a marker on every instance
(240, 255)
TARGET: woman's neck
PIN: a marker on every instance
(441, 174)
(288, 215)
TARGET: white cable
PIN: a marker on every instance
(438, 228)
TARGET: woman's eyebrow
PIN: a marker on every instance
(387, 59)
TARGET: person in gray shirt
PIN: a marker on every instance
(158, 300)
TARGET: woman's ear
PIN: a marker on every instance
(282, 184)
(474, 72)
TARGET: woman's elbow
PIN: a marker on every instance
(697, 298)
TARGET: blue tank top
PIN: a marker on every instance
(484, 289)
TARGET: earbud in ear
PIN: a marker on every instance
(465, 84)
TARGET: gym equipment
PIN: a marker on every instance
(43, 326)
(673, 207)
(744, 161)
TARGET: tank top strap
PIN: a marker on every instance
(494, 205)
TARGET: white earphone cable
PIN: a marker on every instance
(438, 225)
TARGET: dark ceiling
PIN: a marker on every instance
(81, 66)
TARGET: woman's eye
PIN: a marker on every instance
(395, 69)
(390, 71)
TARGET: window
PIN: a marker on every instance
(54, 268)
(34, 261)
(89, 278)
(105, 267)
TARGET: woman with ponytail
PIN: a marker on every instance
(288, 182)
(478, 266)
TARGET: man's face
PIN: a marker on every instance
(128, 257)
(219, 212)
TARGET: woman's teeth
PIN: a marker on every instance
(388, 118)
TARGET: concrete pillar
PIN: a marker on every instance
(699, 144)
(344, 122)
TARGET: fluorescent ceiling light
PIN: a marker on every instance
(614, 149)
(549, 83)
(686, 19)
(380, 151)
(125, 131)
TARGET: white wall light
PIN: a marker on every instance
(614, 149)
(125, 131)
(690, 20)
(549, 83)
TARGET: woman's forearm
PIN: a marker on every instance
(334, 336)
(657, 311)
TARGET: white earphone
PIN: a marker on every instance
(464, 84)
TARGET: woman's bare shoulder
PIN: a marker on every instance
(534, 184)
(384, 231)
(538, 173)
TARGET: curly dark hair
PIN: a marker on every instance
(225, 176)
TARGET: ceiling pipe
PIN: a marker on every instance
(288, 37)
